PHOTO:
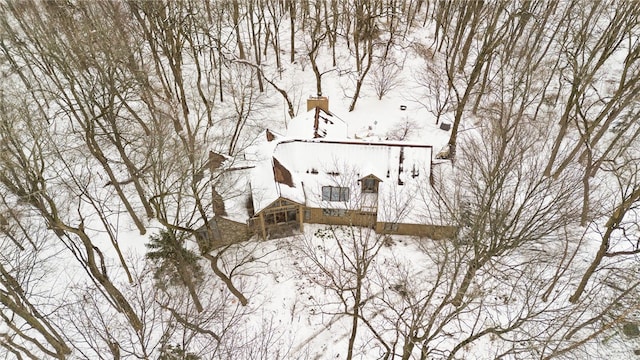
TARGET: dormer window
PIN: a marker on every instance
(369, 184)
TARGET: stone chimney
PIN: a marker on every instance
(321, 102)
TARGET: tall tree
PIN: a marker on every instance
(174, 263)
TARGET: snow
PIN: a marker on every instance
(338, 160)
(330, 126)
(293, 311)
(234, 187)
(321, 163)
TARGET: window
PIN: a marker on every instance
(369, 185)
(335, 193)
(307, 214)
(281, 216)
(291, 215)
(334, 212)
(391, 226)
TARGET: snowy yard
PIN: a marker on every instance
(130, 133)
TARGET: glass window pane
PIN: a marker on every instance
(335, 194)
(291, 215)
(326, 193)
(344, 194)
(334, 212)
(269, 219)
(369, 185)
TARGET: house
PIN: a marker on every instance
(317, 175)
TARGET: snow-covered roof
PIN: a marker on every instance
(329, 126)
(317, 152)
(233, 185)
(403, 168)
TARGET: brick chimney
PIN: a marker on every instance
(319, 101)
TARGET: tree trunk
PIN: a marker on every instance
(13, 298)
(236, 26)
(604, 247)
(120, 301)
(98, 155)
(355, 316)
(474, 265)
(187, 280)
(213, 260)
(612, 224)
(362, 76)
(292, 23)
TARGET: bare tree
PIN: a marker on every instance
(34, 173)
(493, 32)
(386, 77)
(403, 130)
(508, 203)
(236, 24)
(365, 34)
(616, 239)
(245, 99)
(437, 97)
(29, 328)
(343, 267)
(588, 57)
(316, 39)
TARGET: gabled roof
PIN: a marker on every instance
(266, 187)
(403, 168)
(277, 201)
(370, 176)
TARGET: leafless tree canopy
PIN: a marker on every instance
(108, 111)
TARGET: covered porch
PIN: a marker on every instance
(280, 219)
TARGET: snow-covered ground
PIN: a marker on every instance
(84, 93)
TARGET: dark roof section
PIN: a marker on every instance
(215, 160)
(270, 135)
(370, 176)
(281, 174)
(218, 204)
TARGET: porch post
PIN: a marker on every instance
(264, 231)
(301, 217)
